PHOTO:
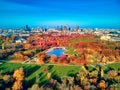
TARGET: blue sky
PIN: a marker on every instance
(85, 13)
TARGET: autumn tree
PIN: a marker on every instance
(35, 87)
(112, 74)
(41, 58)
(53, 58)
(3, 46)
(19, 56)
(12, 37)
(27, 45)
(6, 78)
(102, 85)
(19, 77)
(7, 39)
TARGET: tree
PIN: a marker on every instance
(6, 78)
(3, 46)
(35, 87)
(12, 37)
(64, 81)
(112, 74)
(102, 85)
(7, 39)
(5, 53)
(19, 77)
(84, 70)
(17, 85)
(70, 82)
(27, 45)
(19, 74)
(53, 58)
(41, 58)
(19, 56)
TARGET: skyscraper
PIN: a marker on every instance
(76, 28)
(27, 28)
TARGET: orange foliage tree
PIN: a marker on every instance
(19, 56)
(53, 59)
(19, 77)
(41, 58)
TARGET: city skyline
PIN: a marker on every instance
(87, 13)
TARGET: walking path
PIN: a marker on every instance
(47, 64)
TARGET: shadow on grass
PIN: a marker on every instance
(43, 78)
(30, 69)
(50, 67)
(31, 82)
(71, 73)
(56, 76)
(9, 68)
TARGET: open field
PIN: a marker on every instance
(57, 71)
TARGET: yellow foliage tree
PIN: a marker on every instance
(102, 85)
(7, 39)
(3, 46)
(19, 74)
(19, 77)
(17, 85)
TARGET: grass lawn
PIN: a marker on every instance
(31, 70)
(57, 71)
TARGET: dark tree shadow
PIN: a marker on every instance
(108, 69)
(29, 70)
(50, 67)
(56, 76)
(31, 82)
(71, 73)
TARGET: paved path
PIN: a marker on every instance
(47, 64)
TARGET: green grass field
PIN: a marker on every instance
(57, 71)
(31, 70)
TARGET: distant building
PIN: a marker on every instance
(20, 40)
(61, 28)
(98, 33)
(65, 28)
(27, 28)
(76, 28)
(39, 30)
(113, 33)
(69, 28)
(105, 37)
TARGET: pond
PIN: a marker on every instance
(56, 51)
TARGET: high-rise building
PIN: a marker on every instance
(69, 28)
(27, 28)
(61, 28)
(76, 28)
(65, 28)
